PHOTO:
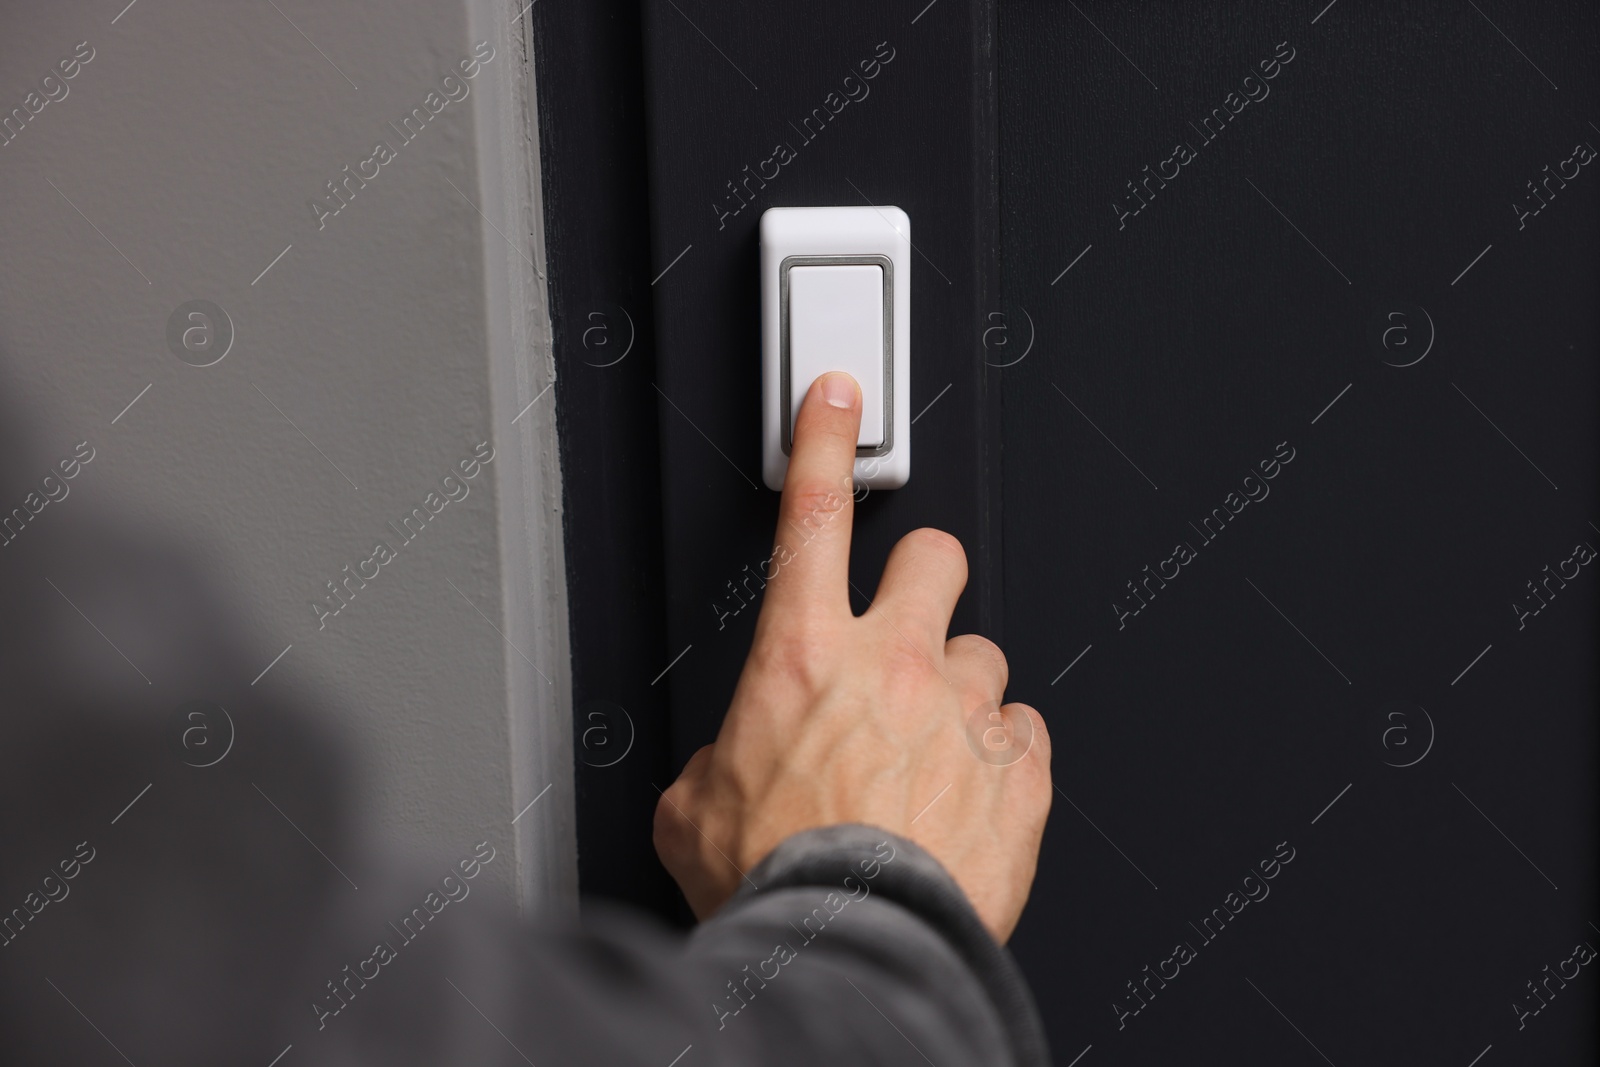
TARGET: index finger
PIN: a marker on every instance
(810, 568)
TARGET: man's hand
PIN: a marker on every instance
(840, 719)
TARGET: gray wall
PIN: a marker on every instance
(367, 362)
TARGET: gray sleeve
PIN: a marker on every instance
(856, 949)
(852, 944)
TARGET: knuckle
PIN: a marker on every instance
(938, 545)
(988, 650)
(669, 806)
(810, 505)
(905, 666)
(666, 828)
(1041, 732)
(902, 662)
(672, 830)
(981, 663)
(801, 656)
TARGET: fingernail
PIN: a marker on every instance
(839, 389)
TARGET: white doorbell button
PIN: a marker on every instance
(837, 322)
(835, 295)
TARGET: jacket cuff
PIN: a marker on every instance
(913, 879)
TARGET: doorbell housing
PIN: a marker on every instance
(836, 295)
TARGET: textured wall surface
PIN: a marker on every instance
(378, 341)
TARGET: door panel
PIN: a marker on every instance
(589, 63)
(1310, 252)
(1262, 386)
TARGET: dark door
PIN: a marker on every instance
(1253, 357)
